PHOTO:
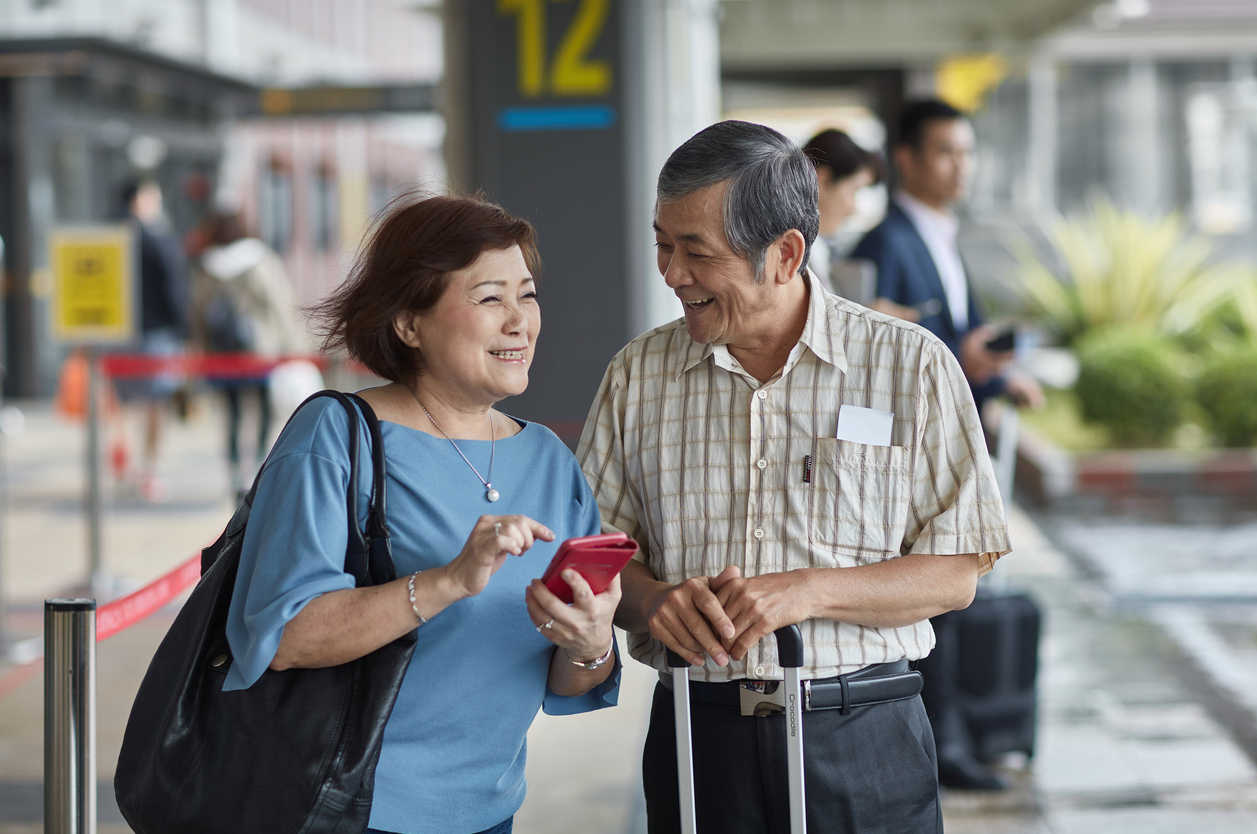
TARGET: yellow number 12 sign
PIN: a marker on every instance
(93, 285)
(571, 73)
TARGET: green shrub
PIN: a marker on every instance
(1227, 393)
(1118, 268)
(1129, 382)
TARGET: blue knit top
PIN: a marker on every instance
(454, 748)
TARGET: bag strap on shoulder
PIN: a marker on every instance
(379, 509)
(380, 567)
(357, 553)
(369, 556)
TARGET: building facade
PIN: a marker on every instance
(94, 94)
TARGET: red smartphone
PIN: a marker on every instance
(597, 558)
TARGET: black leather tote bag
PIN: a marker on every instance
(295, 752)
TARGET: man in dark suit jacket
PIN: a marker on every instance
(920, 275)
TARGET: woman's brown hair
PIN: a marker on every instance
(404, 267)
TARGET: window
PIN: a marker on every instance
(324, 209)
(379, 193)
(275, 204)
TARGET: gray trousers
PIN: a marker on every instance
(872, 771)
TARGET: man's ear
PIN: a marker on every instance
(905, 160)
(406, 326)
(789, 250)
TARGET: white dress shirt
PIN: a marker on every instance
(939, 231)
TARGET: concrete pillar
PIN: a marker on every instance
(1142, 169)
(575, 147)
(676, 58)
(1043, 130)
(32, 206)
(1244, 100)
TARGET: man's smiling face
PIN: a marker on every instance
(723, 303)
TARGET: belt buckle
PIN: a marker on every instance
(761, 698)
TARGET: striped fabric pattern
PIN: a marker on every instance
(705, 468)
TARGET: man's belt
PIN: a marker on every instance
(877, 684)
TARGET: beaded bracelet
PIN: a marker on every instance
(410, 587)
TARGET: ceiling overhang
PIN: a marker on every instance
(833, 34)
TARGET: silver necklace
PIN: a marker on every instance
(490, 493)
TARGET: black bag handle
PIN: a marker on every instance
(357, 552)
(378, 491)
(379, 551)
(369, 557)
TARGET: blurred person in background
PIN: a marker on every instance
(164, 296)
(843, 168)
(244, 304)
(921, 276)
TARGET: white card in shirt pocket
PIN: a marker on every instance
(865, 425)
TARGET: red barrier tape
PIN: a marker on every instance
(208, 365)
(118, 615)
(129, 610)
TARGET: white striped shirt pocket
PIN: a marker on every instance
(859, 501)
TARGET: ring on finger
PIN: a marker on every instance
(497, 529)
(549, 624)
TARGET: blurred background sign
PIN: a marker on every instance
(539, 125)
(337, 100)
(93, 284)
(965, 81)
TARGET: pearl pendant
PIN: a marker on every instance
(492, 495)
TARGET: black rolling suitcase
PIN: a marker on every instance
(980, 679)
(790, 653)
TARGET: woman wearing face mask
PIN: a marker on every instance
(443, 304)
(842, 169)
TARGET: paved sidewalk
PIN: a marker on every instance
(43, 553)
(1124, 745)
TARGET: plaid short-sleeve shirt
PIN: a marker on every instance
(705, 468)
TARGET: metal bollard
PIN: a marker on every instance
(70, 716)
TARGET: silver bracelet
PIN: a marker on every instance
(592, 664)
(410, 587)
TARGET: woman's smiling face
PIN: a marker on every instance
(478, 340)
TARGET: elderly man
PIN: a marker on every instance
(784, 456)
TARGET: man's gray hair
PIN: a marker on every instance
(772, 185)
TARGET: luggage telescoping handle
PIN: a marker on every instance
(685, 753)
(790, 655)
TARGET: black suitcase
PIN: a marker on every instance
(980, 678)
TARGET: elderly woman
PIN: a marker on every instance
(443, 303)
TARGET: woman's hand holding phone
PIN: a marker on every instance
(574, 601)
(583, 629)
